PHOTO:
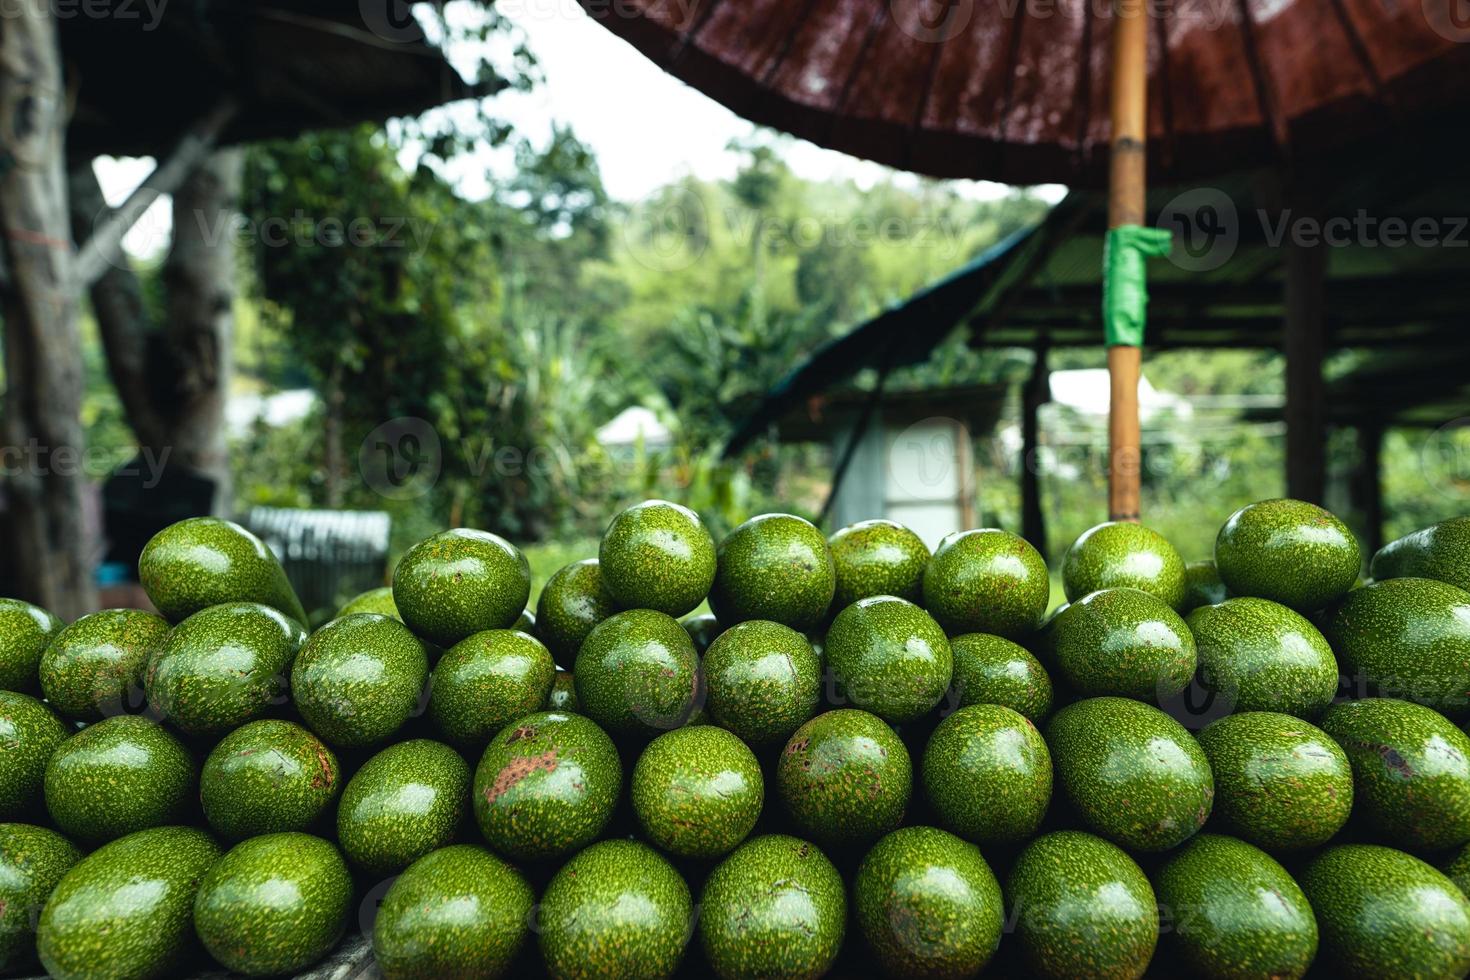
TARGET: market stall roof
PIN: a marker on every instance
(1017, 92)
(1040, 287)
(140, 81)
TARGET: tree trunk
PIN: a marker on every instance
(332, 436)
(44, 477)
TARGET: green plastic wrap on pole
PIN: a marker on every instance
(1125, 280)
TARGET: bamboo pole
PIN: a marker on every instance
(1126, 184)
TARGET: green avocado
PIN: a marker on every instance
(928, 904)
(460, 582)
(205, 561)
(30, 733)
(1202, 586)
(274, 904)
(223, 666)
(1081, 908)
(697, 792)
(118, 776)
(457, 912)
(1406, 638)
(1383, 913)
(874, 558)
(993, 670)
(763, 681)
(486, 681)
(1124, 642)
(25, 631)
(1440, 551)
(546, 786)
(126, 911)
(703, 629)
(268, 777)
(32, 861)
(1411, 771)
(987, 774)
(572, 602)
(358, 679)
(403, 803)
(987, 581)
(776, 909)
(1134, 774)
(657, 555)
(845, 778)
(776, 567)
(1258, 655)
(889, 657)
(1280, 782)
(637, 673)
(616, 910)
(1457, 869)
(1119, 554)
(94, 667)
(379, 600)
(563, 696)
(1234, 913)
(1288, 551)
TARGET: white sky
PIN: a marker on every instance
(646, 127)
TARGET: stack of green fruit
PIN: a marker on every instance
(865, 758)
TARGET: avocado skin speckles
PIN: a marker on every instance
(657, 555)
(29, 732)
(571, 603)
(877, 558)
(563, 694)
(25, 630)
(267, 777)
(993, 670)
(458, 912)
(1383, 913)
(486, 681)
(359, 678)
(206, 561)
(118, 776)
(1288, 551)
(1440, 551)
(928, 904)
(1406, 638)
(1258, 655)
(126, 909)
(988, 774)
(616, 910)
(1235, 913)
(845, 778)
(1411, 771)
(1134, 774)
(222, 667)
(1457, 869)
(274, 904)
(1124, 642)
(1123, 555)
(546, 786)
(1202, 586)
(32, 860)
(1280, 782)
(403, 803)
(697, 791)
(1081, 908)
(379, 600)
(987, 581)
(776, 567)
(889, 657)
(94, 667)
(460, 582)
(776, 908)
(637, 673)
(763, 681)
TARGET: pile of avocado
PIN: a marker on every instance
(863, 759)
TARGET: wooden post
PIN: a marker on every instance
(1035, 394)
(1126, 186)
(1366, 487)
(1304, 343)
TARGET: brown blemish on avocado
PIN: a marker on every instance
(517, 770)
